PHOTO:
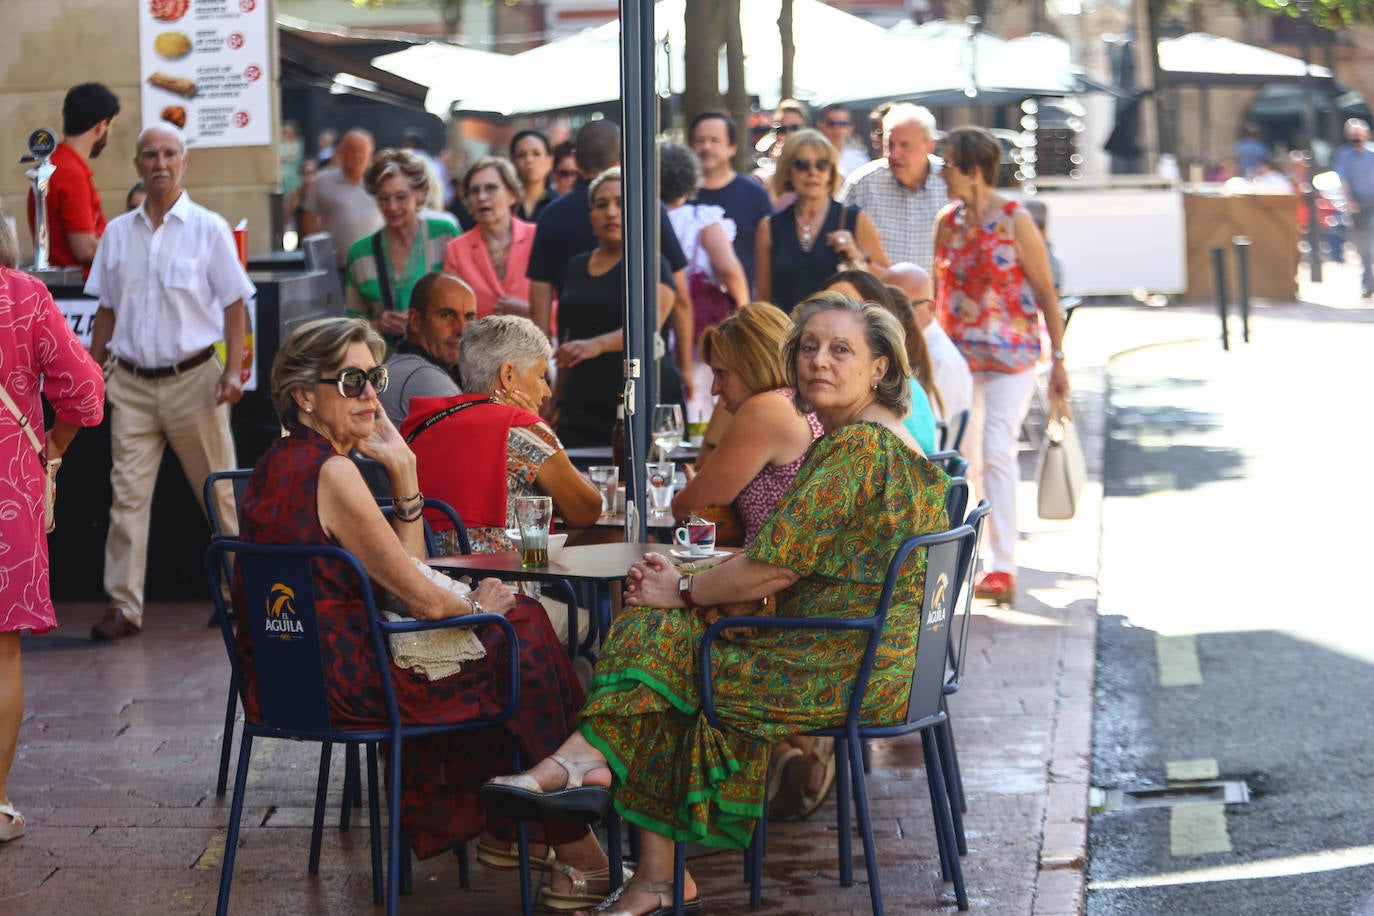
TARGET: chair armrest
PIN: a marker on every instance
(871, 624)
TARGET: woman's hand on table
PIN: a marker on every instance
(495, 596)
(393, 322)
(652, 582)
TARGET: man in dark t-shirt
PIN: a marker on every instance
(565, 228)
(746, 202)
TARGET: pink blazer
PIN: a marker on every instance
(466, 258)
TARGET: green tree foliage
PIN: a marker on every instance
(1332, 14)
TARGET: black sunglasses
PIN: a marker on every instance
(787, 128)
(352, 381)
(805, 165)
(831, 122)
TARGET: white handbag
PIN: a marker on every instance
(1062, 470)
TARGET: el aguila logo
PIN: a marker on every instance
(281, 612)
(939, 602)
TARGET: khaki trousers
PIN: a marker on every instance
(145, 416)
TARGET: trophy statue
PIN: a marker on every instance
(41, 144)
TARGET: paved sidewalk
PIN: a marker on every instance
(118, 754)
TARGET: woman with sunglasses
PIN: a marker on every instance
(384, 267)
(532, 155)
(565, 172)
(305, 490)
(814, 236)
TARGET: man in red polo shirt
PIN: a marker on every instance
(75, 220)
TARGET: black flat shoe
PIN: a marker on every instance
(520, 797)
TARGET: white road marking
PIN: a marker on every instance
(1192, 770)
(1309, 863)
(1198, 829)
(1178, 664)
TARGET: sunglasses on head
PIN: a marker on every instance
(352, 381)
(806, 165)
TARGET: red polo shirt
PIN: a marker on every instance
(73, 205)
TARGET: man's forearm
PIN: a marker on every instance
(102, 329)
(235, 334)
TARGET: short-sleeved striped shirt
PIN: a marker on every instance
(904, 218)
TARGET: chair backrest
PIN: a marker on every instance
(950, 461)
(968, 569)
(943, 554)
(434, 545)
(956, 500)
(952, 431)
(277, 606)
(238, 480)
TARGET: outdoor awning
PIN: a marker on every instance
(1200, 59)
(449, 70)
(317, 64)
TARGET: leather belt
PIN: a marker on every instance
(184, 365)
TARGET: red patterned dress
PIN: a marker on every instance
(38, 355)
(983, 299)
(442, 774)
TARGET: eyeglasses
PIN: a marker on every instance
(831, 122)
(401, 198)
(478, 190)
(787, 128)
(353, 382)
(806, 165)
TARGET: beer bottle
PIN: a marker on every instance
(618, 437)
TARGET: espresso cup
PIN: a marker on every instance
(699, 538)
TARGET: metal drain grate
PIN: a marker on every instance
(1220, 792)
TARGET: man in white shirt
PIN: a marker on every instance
(902, 192)
(838, 126)
(337, 202)
(170, 287)
(425, 363)
(952, 377)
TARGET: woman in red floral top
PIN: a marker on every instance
(993, 283)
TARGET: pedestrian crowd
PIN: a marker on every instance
(830, 320)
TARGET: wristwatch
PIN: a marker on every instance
(684, 590)
(476, 605)
(1057, 354)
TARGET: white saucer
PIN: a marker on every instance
(683, 554)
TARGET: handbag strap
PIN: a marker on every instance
(383, 273)
(23, 421)
(442, 415)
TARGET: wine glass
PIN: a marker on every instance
(667, 428)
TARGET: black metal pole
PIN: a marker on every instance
(1219, 290)
(1309, 124)
(1242, 246)
(639, 189)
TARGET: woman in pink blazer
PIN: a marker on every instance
(492, 256)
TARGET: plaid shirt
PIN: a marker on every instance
(905, 219)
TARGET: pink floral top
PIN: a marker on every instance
(39, 354)
(982, 297)
(760, 495)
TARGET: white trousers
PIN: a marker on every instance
(1000, 402)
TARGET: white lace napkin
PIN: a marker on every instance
(435, 654)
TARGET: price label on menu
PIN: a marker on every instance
(207, 69)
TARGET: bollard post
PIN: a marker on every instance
(1219, 290)
(1242, 246)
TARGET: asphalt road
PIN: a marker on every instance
(1236, 639)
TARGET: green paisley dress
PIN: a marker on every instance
(859, 493)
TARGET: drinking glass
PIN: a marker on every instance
(667, 428)
(659, 474)
(606, 478)
(534, 514)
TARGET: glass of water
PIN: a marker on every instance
(606, 479)
(659, 475)
(668, 428)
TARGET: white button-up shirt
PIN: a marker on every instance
(169, 286)
(904, 218)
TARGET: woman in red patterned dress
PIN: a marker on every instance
(38, 354)
(992, 285)
(305, 490)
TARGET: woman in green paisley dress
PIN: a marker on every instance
(862, 489)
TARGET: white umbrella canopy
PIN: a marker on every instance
(1202, 59)
(448, 70)
(582, 70)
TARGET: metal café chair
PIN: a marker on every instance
(952, 431)
(946, 553)
(278, 585)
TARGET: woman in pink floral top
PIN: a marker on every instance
(993, 284)
(38, 355)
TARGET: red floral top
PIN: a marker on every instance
(982, 296)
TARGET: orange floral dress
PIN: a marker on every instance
(859, 494)
(983, 300)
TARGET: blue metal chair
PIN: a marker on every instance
(952, 431)
(946, 553)
(950, 461)
(279, 612)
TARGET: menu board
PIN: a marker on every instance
(206, 68)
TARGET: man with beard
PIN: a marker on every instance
(425, 363)
(170, 287)
(75, 219)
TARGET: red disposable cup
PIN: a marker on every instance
(241, 241)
